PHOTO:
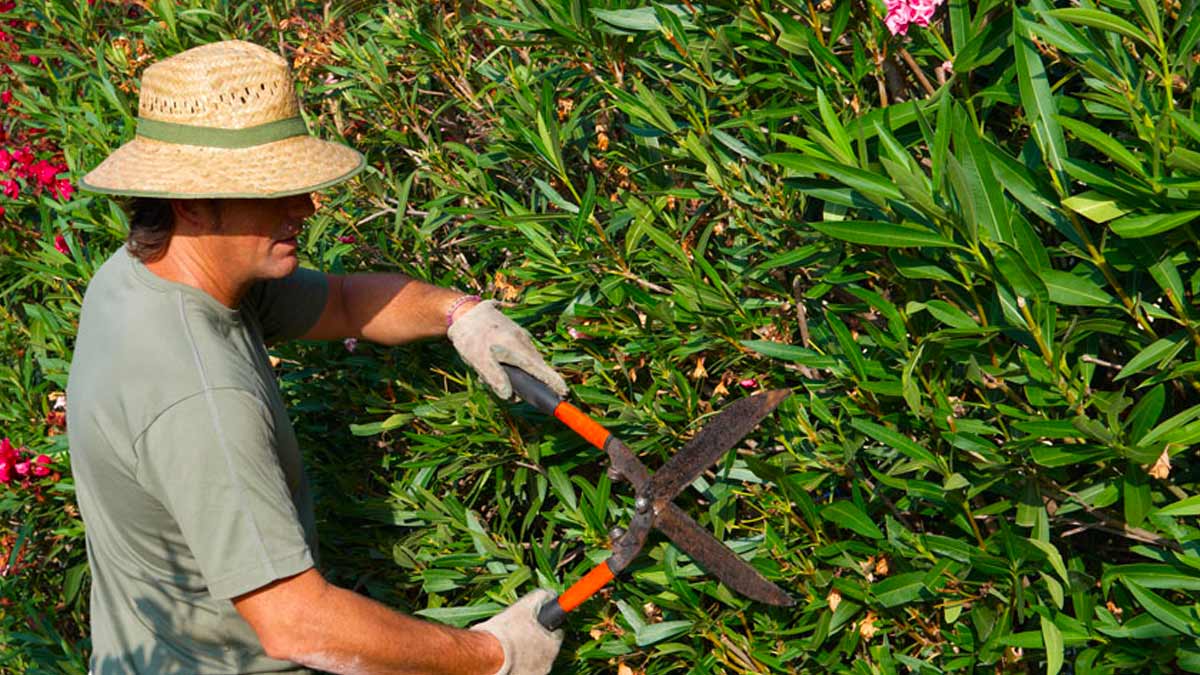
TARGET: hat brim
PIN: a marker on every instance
(148, 168)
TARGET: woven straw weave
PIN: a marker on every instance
(228, 85)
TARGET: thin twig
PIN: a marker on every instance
(912, 64)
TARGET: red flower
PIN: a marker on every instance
(24, 156)
(347, 239)
(7, 6)
(1, 211)
(63, 189)
(6, 160)
(749, 383)
(60, 244)
(45, 172)
(41, 466)
(34, 60)
(8, 460)
(11, 189)
(6, 97)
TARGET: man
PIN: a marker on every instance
(198, 515)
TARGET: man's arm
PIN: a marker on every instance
(387, 309)
(309, 621)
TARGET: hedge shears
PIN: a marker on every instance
(653, 495)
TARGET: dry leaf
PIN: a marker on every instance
(881, 566)
(623, 669)
(834, 599)
(699, 371)
(866, 627)
(1162, 468)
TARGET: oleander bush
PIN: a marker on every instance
(961, 234)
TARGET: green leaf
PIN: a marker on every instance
(1068, 289)
(1163, 611)
(837, 132)
(639, 19)
(394, 421)
(883, 234)
(1037, 99)
(1189, 506)
(1136, 495)
(1157, 352)
(460, 616)
(792, 353)
(901, 589)
(1054, 557)
(1094, 18)
(1105, 143)
(870, 184)
(1095, 206)
(657, 632)
(898, 441)
(1136, 227)
(846, 514)
(1153, 575)
(1053, 641)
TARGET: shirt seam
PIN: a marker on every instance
(184, 399)
(222, 442)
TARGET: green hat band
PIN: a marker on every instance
(212, 137)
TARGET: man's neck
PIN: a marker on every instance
(187, 262)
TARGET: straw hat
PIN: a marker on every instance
(221, 120)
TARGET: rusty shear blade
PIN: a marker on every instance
(709, 553)
(715, 439)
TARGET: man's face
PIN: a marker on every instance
(257, 237)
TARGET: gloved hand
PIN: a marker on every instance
(485, 338)
(529, 649)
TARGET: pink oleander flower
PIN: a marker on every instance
(23, 156)
(748, 383)
(41, 466)
(7, 6)
(11, 189)
(902, 13)
(6, 160)
(60, 244)
(1, 211)
(34, 60)
(6, 97)
(347, 239)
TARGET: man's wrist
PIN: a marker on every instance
(489, 647)
(461, 305)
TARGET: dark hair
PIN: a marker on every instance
(151, 224)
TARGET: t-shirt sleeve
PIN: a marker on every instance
(212, 462)
(286, 308)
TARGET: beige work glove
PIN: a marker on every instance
(529, 649)
(485, 338)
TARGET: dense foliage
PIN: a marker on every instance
(967, 248)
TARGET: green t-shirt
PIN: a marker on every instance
(186, 468)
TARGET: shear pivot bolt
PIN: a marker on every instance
(641, 503)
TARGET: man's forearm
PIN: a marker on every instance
(391, 309)
(339, 631)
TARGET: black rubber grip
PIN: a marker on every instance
(551, 615)
(532, 390)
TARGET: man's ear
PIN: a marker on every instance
(197, 215)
